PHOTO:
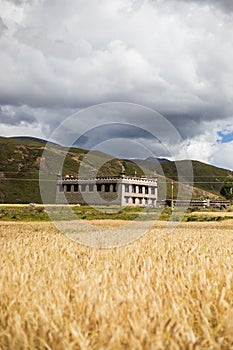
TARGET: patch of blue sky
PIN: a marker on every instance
(225, 136)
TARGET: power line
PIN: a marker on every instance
(25, 179)
(161, 182)
(194, 176)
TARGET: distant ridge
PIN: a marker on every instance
(149, 162)
(34, 139)
(160, 159)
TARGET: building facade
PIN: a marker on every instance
(120, 190)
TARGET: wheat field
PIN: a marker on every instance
(164, 291)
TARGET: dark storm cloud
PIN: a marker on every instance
(3, 27)
(191, 124)
(225, 5)
(11, 118)
(21, 2)
(109, 132)
(173, 56)
(16, 2)
(178, 69)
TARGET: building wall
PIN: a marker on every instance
(140, 193)
(107, 191)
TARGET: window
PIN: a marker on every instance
(68, 188)
(146, 189)
(99, 187)
(91, 188)
(114, 189)
(83, 188)
(107, 188)
(126, 188)
(76, 188)
(152, 190)
(139, 189)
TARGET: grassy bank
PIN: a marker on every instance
(61, 212)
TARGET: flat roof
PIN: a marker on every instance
(109, 179)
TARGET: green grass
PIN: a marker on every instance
(202, 218)
(63, 213)
(39, 213)
(23, 213)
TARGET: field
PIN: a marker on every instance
(164, 291)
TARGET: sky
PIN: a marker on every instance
(174, 57)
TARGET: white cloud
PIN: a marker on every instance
(202, 147)
(222, 156)
(86, 52)
(174, 56)
(205, 146)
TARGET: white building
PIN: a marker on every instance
(122, 190)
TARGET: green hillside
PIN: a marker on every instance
(20, 161)
(206, 177)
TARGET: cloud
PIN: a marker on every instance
(148, 55)
(225, 5)
(173, 56)
(3, 27)
(222, 156)
(210, 145)
(9, 116)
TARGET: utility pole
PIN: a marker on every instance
(172, 203)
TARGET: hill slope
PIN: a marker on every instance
(20, 160)
(205, 177)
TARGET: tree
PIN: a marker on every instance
(227, 188)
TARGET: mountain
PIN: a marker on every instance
(149, 162)
(159, 159)
(29, 138)
(20, 161)
(33, 139)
